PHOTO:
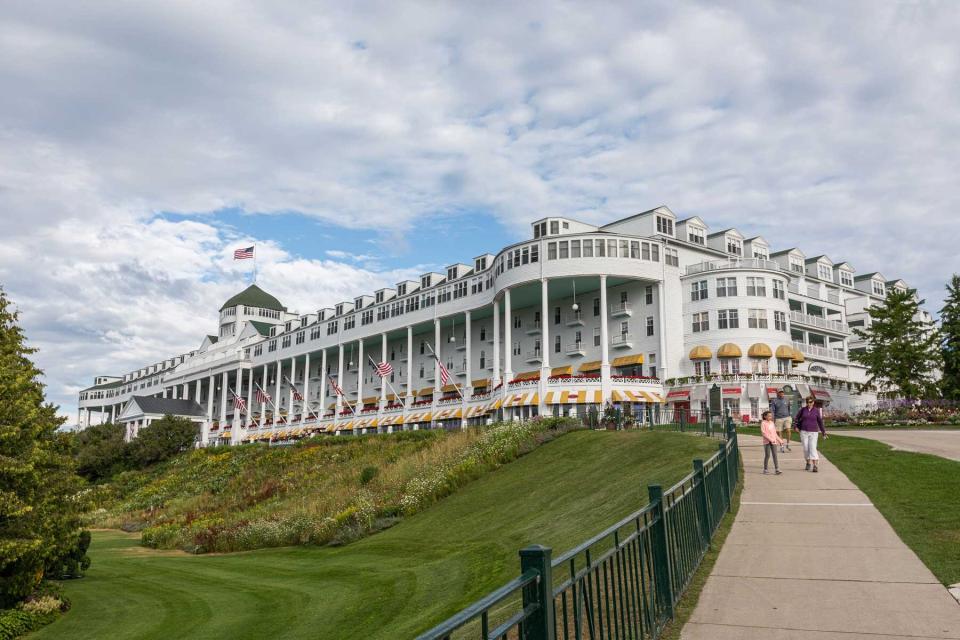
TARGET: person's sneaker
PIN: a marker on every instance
(778, 472)
(781, 448)
(788, 448)
(815, 470)
(807, 468)
(765, 472)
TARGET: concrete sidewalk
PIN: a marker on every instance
(810, 557)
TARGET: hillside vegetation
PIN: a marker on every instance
(321, 491)
(391, 585)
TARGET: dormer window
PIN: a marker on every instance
(846, 278)
(554, 227)
(734, 246)
(879, 289)
(358, 303)
(424, 282)
(402, 289)
(480, 264)
(696, 235)
(824, 272)
(761, 254)
(796, 264)
(452, 273)
(378, 296)
(664, 225)
(339, 309)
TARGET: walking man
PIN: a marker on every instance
(780, 407)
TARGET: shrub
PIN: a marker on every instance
(368, 474)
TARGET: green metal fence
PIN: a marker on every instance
(622, 583)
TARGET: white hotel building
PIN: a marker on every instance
(648, 311)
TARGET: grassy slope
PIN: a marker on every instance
(917, 493)
(390, 585)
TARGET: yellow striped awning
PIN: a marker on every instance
(375, 422)
(562, 371)
(496, 404)
(785, 352)
(532, 400)
(442, 413)
(480, 383)
(447, 388)
(626, 361)
(798, 356)
(576, 397)
(701, 353)
(411, 417)
(729, 350)
(426, 391)
(456, 413)
(371, 400)
(330, 428)
(225, 434)
(616, 396)
(528, 375)
(759, 350)
(588, 367)
(426, 417)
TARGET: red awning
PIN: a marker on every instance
(772, 392)
(732, 391)
(678, 394)
(821, 394)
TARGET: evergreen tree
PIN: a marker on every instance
(101, 451)
(950, 340)
(39, 491)
(902, 353)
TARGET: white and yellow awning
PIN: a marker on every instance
(581, 396)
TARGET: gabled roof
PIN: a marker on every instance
(870, 276)
(697, 220)
(254, 296)
(786, 251)
(164, 406)
(263, 328)
(723, 232)
(843, 264)
(757, 239)
(662, 209)
(820, 257)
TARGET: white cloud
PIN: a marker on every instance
(826, 126)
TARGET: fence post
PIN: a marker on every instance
(707, 430)
(661, 552)
(706, 526)
(724, 460)
(540, 625)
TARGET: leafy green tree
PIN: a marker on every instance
(40, 502)
(950, 340)
(161, 440)
(101, 451)
(902, 353)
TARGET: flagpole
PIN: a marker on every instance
(437, 358)
(342, 396)
(384, 378)
(276, 411)
(305, 405)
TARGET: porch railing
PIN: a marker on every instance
(623, 582)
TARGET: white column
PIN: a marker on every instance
(662, 331)
(246, 423)
(305, 408)
(359, 403)
(604, 342)
(263, 405)
(545, 345)
(206, 428)
(436, 368)
(224, 380)
(175, 392)
(235, 436)
(276, 396)
(336, 411)
(323, 383)
(112, 408)
(186, 391)
(197, 391)
(164, 394)
(468, 382)
(409, 397)
(507, 341)
(383, 382)
(496, 344)
(293, 381)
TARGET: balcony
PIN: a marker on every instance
(534, 356)
(821, 323)
(821, 352)
(534, 329)
(620, 310)
(576, 349)
(733, 263)
(622, 341)
(575, 319)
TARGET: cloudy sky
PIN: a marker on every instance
(360, 143)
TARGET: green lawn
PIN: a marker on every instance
(391, 585)
(918, 494)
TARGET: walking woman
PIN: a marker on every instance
(809, 422)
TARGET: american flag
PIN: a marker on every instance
(336, 388)
(239, 403)
(384, 369)
(296, 394)
(444, 374)
(243, 254)
(262, 396)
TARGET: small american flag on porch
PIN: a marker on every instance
(336, 388)
(444, 374)
(239, 403)
(262, 396)
(384, 369)
(296, 394)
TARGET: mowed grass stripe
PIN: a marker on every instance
(390, 585)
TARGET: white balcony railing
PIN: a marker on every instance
(620, 309)
(821, 352)
(534, 356)
(734, 263)
(816, 321)
(575, 319)
(534, 328)
(622, 341)
(576, 349)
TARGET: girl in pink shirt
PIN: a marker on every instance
(771, 439)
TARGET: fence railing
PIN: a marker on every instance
(623, 582)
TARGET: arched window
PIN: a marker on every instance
(816, 368)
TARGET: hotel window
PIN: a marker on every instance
(451, 273)
(525, 255)
(516, 322)
(301, 337)
(624, 327)
(285, 342)
(779, 321)
(599, 248)
(421, 370)
(350, 322)
(460, 289)
(401, 289)
(554, 227)
(510, 260)
(756, 287)
(483, 333)
(483, 359)
(648, 294)
(696, 235)
(730, 365)
(761, 254)
(734, 246)
(556, 315)
(551, 251)
(516, 257)
(596, 306)
(757, 318)
(635, 249)
(596, 336)
(624, 249)
(646, 251)
(611, 248)
(728, 319)
(878, 289)
(846, 278)
(698, 290)
(649, 325)
(413, 304)
(424, 283)
(664, 225)
(378, 296)
(726, 287)
(535, 253)
(516, 348)
(671, 257)
(588, 248)
(422, 347)
(779, 291)
(574, 248)
(701, 322)
(759, 365)
(701, 367)
(796, 264)
(332, 328)
(824, 272)
(556, 344)
(258, 350)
